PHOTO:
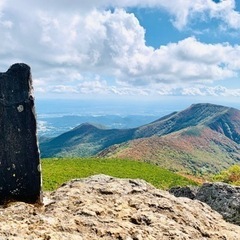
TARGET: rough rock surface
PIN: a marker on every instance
(188, 191)
(221, 197)
(102, 207)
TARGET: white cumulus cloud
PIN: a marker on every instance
(68, 44)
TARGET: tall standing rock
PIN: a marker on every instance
(20, 176)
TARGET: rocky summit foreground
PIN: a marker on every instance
(103, 207)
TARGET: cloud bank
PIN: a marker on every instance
(84, 48)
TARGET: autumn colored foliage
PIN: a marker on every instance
(231, 175)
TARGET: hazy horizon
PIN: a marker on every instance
(124, 107)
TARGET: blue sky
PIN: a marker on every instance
(138, 49)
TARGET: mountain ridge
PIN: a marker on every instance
(194, 115)
(221, 125)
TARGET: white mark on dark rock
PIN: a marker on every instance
(20, 108)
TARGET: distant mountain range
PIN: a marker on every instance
(203, 138)
(53, 125)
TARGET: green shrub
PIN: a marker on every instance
(231, 175)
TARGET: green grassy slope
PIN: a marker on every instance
(59, 170)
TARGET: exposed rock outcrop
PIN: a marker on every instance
(221, 197)
(20, 177)
(103, 207)
(188, 191)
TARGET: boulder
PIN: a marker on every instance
(104, 207)
(222, 197)
(188, 191)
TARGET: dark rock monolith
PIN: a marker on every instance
(20, 174)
